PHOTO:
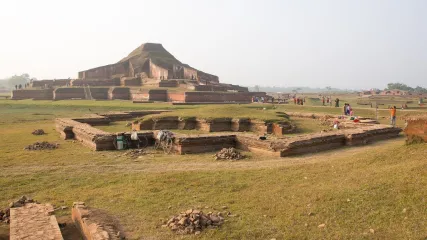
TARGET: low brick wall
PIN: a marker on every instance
(93, 120)
(176, 97)
(68, 93)
(416, 129)
(214, 125)
(217, 97)
(95, 82)
(210, 88)
(41, 83)
(36, 94)
(249, 142)
(99, 93)
(203, 143)
(95, 224)
(168, 83)
(130, 81)
(122, 93)
(141, 96)
(34, 221)
(313, 143)
(158, 95)
(241, 125)
(94, 138)
(370, 133)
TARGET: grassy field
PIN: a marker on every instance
(373, 192)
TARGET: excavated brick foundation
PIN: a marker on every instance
(203, 143)
(416, 129)
(34, 221)
(350, 135)
(214, 125)
(95, 224)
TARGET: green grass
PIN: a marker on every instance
(351, 190)
(257, 112)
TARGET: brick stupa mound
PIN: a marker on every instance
(149, 60)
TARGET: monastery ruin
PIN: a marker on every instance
(148, 73)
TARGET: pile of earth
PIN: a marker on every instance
(38, 132)
(5, 214)
(228, 154)
(42, 146)
(193, 222)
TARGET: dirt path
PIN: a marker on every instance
(256, 162)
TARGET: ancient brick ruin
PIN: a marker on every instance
(141, 76)
(416, 129)
(246, 133)
(95, 224)
(34, 221)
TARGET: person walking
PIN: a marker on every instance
(337, 102)
(393, 116)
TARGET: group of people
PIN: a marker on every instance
(258, 99)
(266, 100)
(348, 111)
(298, 100)
(326, 101)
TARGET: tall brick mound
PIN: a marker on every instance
(416, 129)
(150, 60)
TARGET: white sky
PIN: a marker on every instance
(341, 43)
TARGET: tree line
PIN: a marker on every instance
(404, 87)
(17, 81)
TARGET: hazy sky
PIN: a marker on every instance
(316, 43)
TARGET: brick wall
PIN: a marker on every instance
(168, 83)
(122, 93)
(210, 88)
(41, 83)
(95, 82)
(416, 129)
(176, 97)
(43, 94)
(99, 93)
(137, 95)
(217, 97)
(61, 82)
(189, 73)
(158, 95)
(206, 77)
(68, 93)
(130, 81)
(34, 221)
(106, 71)
(157, 72)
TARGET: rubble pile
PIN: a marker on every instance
(42, 146)
(134, 153)
(5, 214)
(228, 154)
(38, 132)
(194, 221)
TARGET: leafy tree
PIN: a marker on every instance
(17, 80)
(256, 88)
(399, 86)
(296, 90)
(405, 87)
